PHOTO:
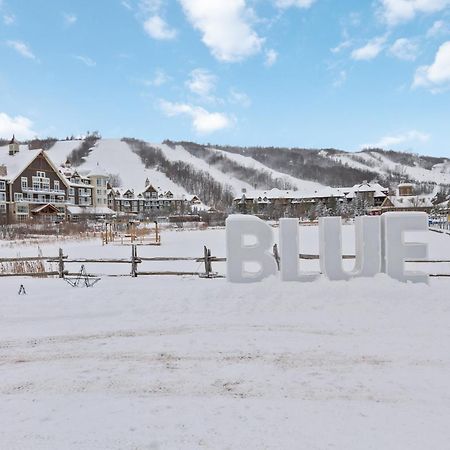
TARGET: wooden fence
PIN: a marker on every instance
(135, 260)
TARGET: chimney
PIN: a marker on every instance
(13, 146)
(3, 170)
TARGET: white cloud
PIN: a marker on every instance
(436, 76)
(371, 50)
(298, 3)
(86, 60)
(21, 48)
(9, 19)
(69, 19)
(160, 78)
(240, 98)
(438, 28)
(225, 26)
(271, 57)
(405, 49)
(398, 11)
(126, 5)
(341, 46)
(203, 121)
(202, 82)
(341, 79)
(20, 126)
(400, 140)
(157, 28)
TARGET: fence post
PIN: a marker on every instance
(61, 264)
(157, 239)
(206, 260)
(134, 261)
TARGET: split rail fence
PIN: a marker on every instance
(207, 260)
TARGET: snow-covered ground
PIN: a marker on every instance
(188, 363)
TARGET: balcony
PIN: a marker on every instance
(43, 191)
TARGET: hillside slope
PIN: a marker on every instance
(219, 173)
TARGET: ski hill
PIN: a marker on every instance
(225, 172)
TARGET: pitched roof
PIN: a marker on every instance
(15, 164)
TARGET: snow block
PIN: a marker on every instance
(396, 250)
(239, 227)
(289, 253)
(367, 246)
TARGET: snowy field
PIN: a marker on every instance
(188, 363)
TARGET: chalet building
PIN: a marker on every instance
(151, 201)
(29, 181)
(87, 198)
(298, 203)
(33, 188)
(405, 200)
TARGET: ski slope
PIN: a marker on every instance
(377, 162)
(117, 157)
(308, 187)
(180, 154)
(62, 149)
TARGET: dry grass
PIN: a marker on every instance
(22, 267)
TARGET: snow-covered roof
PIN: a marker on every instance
(411, 201)
(90, 210)
(98, 171)
(262, 196)
(16, 163)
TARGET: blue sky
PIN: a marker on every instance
(307, 73)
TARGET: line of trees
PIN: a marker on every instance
(259, 179)
(184, 174)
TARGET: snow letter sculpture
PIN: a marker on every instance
(289, 250)
(368, 248)
(396, 250)
(239, 254)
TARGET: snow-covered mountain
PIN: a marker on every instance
(220, 173)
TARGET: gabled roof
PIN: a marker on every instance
(15, 164)
(48, 208)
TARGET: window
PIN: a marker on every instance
(36, 183)
(72, 191)
(24, 183)
(40, 174)
(2, 209)
(2, 186)
(18, 197)
(2, 196)
(56, 185)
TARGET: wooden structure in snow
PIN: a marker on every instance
(132, 235)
